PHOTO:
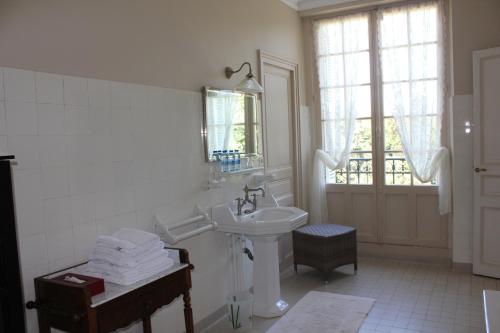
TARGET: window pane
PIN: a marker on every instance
(423, 61)
(361, 169)
(356, 33)
(392, 140)
(393, 93)
(363, 135)
(357, 68)
(390, 36)
(360, 101)
(332, 103)
(329, 37)
(423, 24)
(337, 176)
(397, 170)
(332, 72)
(424, 97)
(395, 64)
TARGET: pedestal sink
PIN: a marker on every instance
(263, 227)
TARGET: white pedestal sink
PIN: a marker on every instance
(263, 227)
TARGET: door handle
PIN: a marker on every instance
(480, 170)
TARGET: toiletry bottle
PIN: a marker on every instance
(237, 156)
(224, 158)
(232, 160)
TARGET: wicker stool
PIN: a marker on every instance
(325, 247)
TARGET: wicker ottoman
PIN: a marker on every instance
(325, 247)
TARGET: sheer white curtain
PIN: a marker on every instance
(342, 60)
(411, 49)
(221, 111)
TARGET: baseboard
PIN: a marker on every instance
(403, 252)
(211, 320)
(462, 267)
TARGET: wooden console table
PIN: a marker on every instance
(70, 308)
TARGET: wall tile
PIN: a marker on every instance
(26, 150)
(77, 120)
(50, 119)
(2, 90)
(3, 119)
(19, 85)
(49, 88)
(120, 96)
(57, 214)
(81, 179)
(28, 195)
(55, 182)
(53, 150)
(60, 243)
(84, 237)
(3, 143)
(99, 93)
(83, 209)
(33, 251)
(100, 120)
(104, 207)
(123, 201)
(75, 91)
(21, 118)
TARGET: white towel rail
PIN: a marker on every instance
(166, 231)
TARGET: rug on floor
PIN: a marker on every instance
(323, 312)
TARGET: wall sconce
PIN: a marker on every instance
(249, 83)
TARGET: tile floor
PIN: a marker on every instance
(410, 296)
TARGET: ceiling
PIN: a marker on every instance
(311, 4)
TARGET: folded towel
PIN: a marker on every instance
(115, 243)
(136, 253)
(145, 266)
(136, 236)
(120, 275)
(111, 257)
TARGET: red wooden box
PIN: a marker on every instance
(93, 284)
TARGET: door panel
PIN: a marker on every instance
(281, 139)
(397, 218)
(486, 229)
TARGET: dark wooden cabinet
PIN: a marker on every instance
(70, 308)
(11, 297)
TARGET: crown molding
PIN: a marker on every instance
(292, 4)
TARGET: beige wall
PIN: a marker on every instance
(475, 26)
(181, 44)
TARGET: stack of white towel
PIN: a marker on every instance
(128, 256)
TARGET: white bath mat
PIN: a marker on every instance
(322, 312)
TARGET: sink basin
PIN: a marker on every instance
(264, 221)
(262, 227)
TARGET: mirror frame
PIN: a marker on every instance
(204, 125)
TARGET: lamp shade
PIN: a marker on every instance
(250, 85)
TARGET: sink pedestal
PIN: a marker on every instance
(266, 278)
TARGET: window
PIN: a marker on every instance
(349, 56)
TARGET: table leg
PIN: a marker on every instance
(146, 324)
(188, 313)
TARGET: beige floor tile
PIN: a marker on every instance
(410, 297)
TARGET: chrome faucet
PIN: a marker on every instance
(253, 201)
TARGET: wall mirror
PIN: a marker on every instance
(232, 129)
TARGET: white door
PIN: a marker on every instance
(280, 119)
(281, 138)
(486, 234)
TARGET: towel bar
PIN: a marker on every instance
(165, 230)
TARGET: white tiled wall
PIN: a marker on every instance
(94, 156)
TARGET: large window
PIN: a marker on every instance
(374, 64)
